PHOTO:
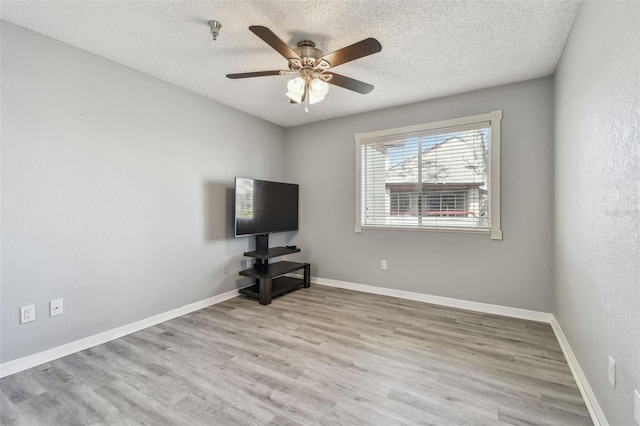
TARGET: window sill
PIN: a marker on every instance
(427, 228)
(495, 235)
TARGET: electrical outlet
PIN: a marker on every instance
(226, 269)
(55, 307)
(383, 264)
(612, 372)
(27, 314)
(636, 405)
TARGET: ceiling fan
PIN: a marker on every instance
(312, 66)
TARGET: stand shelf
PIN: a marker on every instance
(271, 252)
(270, 278)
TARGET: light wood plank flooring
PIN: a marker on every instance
(318, 356)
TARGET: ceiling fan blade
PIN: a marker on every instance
(350, 83)
(274, 41)
(253, 74)
(358, 50)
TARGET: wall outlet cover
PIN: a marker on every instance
(383, 264)
(27, 313)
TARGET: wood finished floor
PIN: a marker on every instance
(318, 356)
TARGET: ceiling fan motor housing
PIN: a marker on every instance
(309, 64)
(307, 49)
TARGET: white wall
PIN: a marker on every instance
(597, 244)
(114, 192)
(515, 272)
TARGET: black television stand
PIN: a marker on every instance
(270, 278)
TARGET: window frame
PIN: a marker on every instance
(493, 119)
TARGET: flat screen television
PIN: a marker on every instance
(264, 207)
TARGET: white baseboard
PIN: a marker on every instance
(597, 415)
(24, 363)
(439, 300)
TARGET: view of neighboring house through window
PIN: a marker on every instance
(431, 176)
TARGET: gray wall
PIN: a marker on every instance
(515, 272)
(597, 244)
(114, 192)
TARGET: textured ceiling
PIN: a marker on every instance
(430, 49)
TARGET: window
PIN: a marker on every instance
(446, 203)
(403, 202)
(437, 176)
(438, 203)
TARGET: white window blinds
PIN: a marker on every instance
(437, 176)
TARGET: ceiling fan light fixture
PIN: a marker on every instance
(317, 90)
(296, 89)
(314, 99)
